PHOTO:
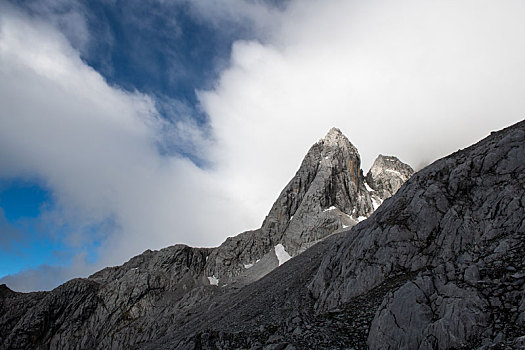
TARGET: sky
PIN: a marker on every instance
(134, 125)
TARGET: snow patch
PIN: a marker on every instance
(345, 226)
(368, 188)
(361, 218)
(291, 217)
(214, 281)
(375, 203)
(331, 208)
(281, 254)
(247, 266)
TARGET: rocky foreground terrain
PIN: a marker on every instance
(439, 265)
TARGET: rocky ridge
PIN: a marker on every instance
(459, 225)
(141, 300)
(440, 265)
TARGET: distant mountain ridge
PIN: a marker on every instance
(439, 265)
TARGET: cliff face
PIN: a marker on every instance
(327, 194)
(458, 227)
(440, 265)
(142, 300)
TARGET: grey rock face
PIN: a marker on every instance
(108, 309)
(161, 294)
(387, 174)
(385, 177)
(459, 225)
(327, 194)
(440, 265)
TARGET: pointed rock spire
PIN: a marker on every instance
(327, 194)
(387, 174)
(335, 137)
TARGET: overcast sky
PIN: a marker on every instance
(134, 125)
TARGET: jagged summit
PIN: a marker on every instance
(387, 174)
(440, 265)
(335, 137)
(336, 142)
(390, 164)
(326, 194)
(334, 132)
(137, 301)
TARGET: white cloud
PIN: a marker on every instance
(256, 15)
(94, 147)
(417, 79)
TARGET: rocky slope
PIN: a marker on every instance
(440, 265)
(143, 300)
(459, 226)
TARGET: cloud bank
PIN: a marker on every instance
(95, 147)
(415, 79)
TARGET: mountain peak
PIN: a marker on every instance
(328, 194)
(334, 132)
(335, 137)
(387, 174)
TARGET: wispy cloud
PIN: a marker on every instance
(95, 147)
(415, 79)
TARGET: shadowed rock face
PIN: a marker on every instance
(146, 297)
(459, 224)
(440, 265)
(100, 312)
